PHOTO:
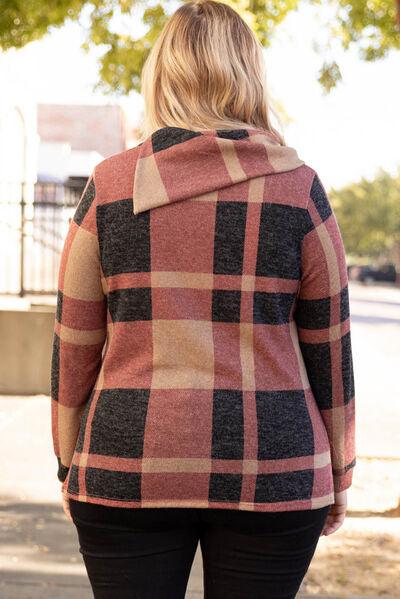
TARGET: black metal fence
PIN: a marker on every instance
(34, 221)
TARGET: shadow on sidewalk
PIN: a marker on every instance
(39, 552)
(40, 558)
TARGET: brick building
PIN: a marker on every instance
(84, 127)
(75, 137)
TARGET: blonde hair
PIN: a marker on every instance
(206, 70)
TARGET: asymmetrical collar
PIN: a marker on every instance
(175, 163)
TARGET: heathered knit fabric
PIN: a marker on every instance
(202, 351)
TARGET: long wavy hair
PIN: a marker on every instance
(206, 70)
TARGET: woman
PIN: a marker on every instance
(202, 374)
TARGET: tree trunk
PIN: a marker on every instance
(395, 257)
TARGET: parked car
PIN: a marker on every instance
(367, 273)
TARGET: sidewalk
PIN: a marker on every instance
(39, 557)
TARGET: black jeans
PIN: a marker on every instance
(147, 553)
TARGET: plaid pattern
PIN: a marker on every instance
(202, 353)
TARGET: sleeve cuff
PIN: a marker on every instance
(62, 472)
(344, 479)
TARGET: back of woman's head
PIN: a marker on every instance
(206, 70)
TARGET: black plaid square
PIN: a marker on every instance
(122, 486)
(133, 303)
(230, 227)
(225, 487)
(170, 136)
(118, 423)
(284, 425)
(279, 241)
(313, 314)
(227, 425)
(124, 238)
(226, 305)
(284, 486)
(85, 202)
(317, 359)
(272, 308)
(320, 199)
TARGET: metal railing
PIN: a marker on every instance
(34, 220)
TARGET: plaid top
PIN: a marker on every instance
(202, 353)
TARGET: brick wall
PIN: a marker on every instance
(84, 127)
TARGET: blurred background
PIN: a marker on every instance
(69, 97)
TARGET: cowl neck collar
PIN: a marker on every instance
(175, 163)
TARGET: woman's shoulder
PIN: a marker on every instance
(118, 160)
(311, 182)
(113, 176)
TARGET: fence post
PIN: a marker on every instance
(22, 243)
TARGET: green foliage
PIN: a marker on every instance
(329, 75)
(22, 21)
(122, 62)
(368, 213)
(371, 26)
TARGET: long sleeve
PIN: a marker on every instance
(80, 327)
(322, 316)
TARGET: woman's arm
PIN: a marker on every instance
(322, 316)
(80, 327)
